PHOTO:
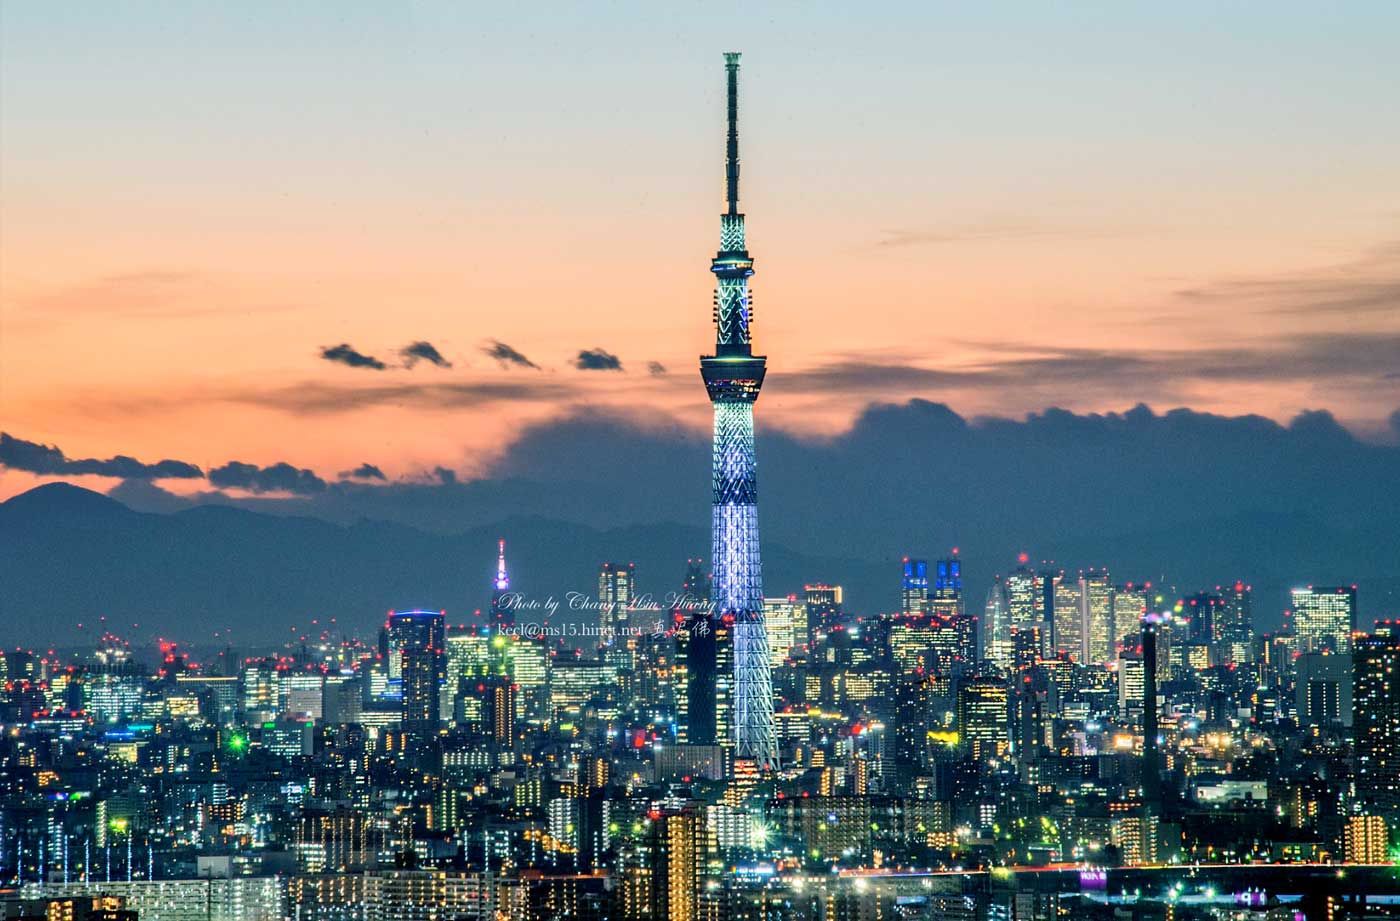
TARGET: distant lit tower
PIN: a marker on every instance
(502, 615)
(420, 637)
(733, 375)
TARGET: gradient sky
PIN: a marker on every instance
(1001, 209)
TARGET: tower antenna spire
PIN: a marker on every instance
(731, 149)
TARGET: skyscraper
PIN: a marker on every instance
(1129, 605)
(1031, 597)
(780, 615)
(1096, 601)
(617, 587)
(1323, 617)
(913, 595)
(823, 608)
(1203, 612)
(1020, 594)
(982, 717)
(947, 597)
(996, 625)
(1151, 758)
(1376, 716)
(703, 701)
(502, 614)
(420, 637)
(1068, 619)
(1236, 621)
(733, 376)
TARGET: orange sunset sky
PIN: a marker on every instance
(1002, 211)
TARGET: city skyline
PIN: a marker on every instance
(1244, 263)
(460, 616)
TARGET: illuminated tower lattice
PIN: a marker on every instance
(733, 376)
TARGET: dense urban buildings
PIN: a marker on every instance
(482, 771)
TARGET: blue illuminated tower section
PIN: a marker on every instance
(733, 376)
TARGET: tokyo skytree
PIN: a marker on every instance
(733, 375)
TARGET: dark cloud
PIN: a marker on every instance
(319, 398)
(280, 477)
(423, 351)
(507, 355)
(344, 354)
(1193, 497)
(597, 360)
(18, 454)
(1135, 373)
(1369, 286)
(655, 367)
(365, 471)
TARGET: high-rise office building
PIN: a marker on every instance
(1069, 634)
(1130, 602)
(1130, 682)
(946, 597)
(697, 658)
(1028, 644)
(823, 608)
(1236, 625)
(996, 624)
(1375, 700)
(946, 602)
(1151, 755)
(1096, 602)
(1203, 613)
(1020, 594)
(303, 694)
(1324, 617)
(1322, 689)
(780, 615)
(420, 639)
(913, 707)
(913, 587)
(982, 717)
(1030, 596)
(617, 589)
